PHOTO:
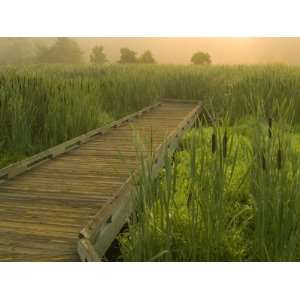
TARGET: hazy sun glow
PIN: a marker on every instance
(179, 50)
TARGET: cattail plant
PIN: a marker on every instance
(279, 159)
(263, 161)
(270, 127)
(213, 142)
(225, 142)
(188, 217)
(274, 190)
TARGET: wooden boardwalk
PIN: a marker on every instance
(69, 203)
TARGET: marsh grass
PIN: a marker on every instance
(184, 214)
(274, 184)
(41, 106)
(230, 194)
(44, 105)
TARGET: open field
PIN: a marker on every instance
(231, 192)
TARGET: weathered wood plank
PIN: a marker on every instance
(83, 187)
(107, 223)
(34, 161)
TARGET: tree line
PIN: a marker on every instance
(67, 51)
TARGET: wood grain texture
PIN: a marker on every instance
(44, 208)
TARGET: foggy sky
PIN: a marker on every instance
(179, 50)
(222, 50)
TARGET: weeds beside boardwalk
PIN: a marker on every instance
(41, 106)
(231, 194)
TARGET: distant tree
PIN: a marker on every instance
(97, 56)
(146, 58)
(64, 51)
(201, 58)
(127, 56)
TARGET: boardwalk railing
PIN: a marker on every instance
(96, 237)
(74, 198)
(20, 167)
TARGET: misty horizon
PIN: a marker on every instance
(179, 50)
(221, 50)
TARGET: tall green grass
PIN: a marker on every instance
(230, 194)
(274, 180)
(44, 105)
(187, 213)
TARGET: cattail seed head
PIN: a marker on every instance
(213, 143)
(270, 122)
(270, 127)
(189, 200)
(279, 159)
(264, 163)
(225, 141)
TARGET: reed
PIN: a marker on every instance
(187, 214)
(275, 189)
(43, 105)
(230, 194)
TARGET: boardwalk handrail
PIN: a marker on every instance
(22, 166)
(86, 206)
(175, 100)
(96, 237)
